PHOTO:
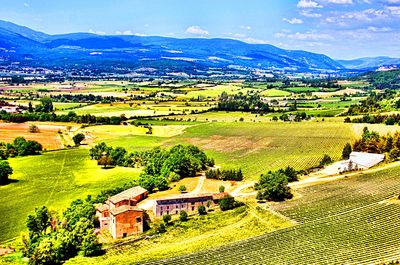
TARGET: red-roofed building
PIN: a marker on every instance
(120, 215)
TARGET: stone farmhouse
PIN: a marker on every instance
(188, 203)
(120, 215)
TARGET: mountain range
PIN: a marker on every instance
(32, 48)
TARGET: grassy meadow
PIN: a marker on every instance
(53, 179)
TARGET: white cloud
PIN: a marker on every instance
(310, 15)
(245, 27)
(27, 5)
(305, 36)
(376, 29)
(293, 21)
(308, 4)
(394, 10)
(341, 2)
(97, 32)
(197, 30)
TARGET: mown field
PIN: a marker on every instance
(254, 147)
(351, 221)
(48, 135)
(53, 179)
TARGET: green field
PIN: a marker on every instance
(53, 179)
(274, 93)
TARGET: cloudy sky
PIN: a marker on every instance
(342, 29)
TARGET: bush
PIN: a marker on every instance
(326, 160)
(228, 203)
(33, 129)
(221, 189)
(161, 229)
(202, 210)
(166, 218)
(5, 172)
(347, 149)
(78, 138)
(183, 216)
(182, 188)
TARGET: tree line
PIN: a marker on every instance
(241, 102)
(373, 142)
(231, 174)
(388, 119)
(161, 166)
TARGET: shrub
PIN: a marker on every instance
(182, 188)
(228, 203)
(183, 216)
(5, 171)
(78, 138)
(202, 210)
(33, 129)
(166, 218)
(326, 160)
(221, 189)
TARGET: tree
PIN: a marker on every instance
(166, 218)
(326, 160)
(221, 188)
(39, 222)
(183, 216)
(104, 161)
(347, 151)
(202, 210)
(30, 107)
(46, 105)
(5, 171)
(228, 203)
(273, 186)
(78, 138)
(33, 129)
(182, 188)
(90, 245)
(161, 229)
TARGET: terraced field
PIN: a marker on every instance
(344, 222)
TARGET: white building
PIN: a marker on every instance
(360, 161)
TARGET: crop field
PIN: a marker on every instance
(53, 179)
(48, 135)
(302, 89)
(214, 92)
(275, 93)
(255, 147)
(117, 109)
(350, 221)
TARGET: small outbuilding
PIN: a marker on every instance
(360, 161)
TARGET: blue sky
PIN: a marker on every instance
(342, 29)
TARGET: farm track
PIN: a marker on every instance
(347, 221)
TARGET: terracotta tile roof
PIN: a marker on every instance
(102, 208)
(219, 196)
(127, 194)
(124, 208)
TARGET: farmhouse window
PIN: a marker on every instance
(138, 219)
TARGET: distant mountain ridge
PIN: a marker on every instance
(26, 46)
(370, 63)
